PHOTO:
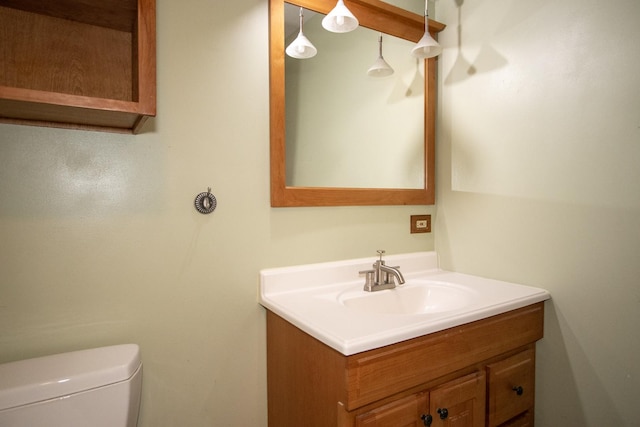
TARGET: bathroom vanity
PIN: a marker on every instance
(332, 362)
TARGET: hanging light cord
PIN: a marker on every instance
(426, 16)
(301, 20)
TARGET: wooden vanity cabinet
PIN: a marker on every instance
(465, 376)
(81, 64)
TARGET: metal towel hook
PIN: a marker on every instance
(206, 202)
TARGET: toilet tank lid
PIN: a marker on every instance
(42, 378)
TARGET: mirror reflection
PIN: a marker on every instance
(345, 128)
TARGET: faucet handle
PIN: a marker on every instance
(366, 271)
(380, 253)
(369, 279)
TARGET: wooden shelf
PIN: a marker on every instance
(83, 64)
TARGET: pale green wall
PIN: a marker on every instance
(539, 183)
(101, 243)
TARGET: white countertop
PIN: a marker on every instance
(307, 296)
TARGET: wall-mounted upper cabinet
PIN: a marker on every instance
(80, 64)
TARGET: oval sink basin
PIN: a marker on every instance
(415, 297)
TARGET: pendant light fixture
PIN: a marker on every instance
(380, 68)
(301, 47)
(340, 19)
(427, 47)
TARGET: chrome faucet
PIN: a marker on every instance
(382, 276)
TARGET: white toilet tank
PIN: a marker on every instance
(99, 387)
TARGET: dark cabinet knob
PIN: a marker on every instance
(427, 419)
(444, 413)
(519, 390)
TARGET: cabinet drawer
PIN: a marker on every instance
(378, 373)
(511, 387)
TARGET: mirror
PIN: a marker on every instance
(345, 128)
(285, 191)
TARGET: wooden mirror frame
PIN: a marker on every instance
(379, 16)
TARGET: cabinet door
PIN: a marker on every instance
(511, 387)
(523, 420)
(459, 403)
(405, 412)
